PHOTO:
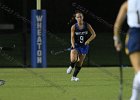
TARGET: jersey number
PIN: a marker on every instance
(138, 15)
(81, 39)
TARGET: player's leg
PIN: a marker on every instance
(78, 67)
(73, 60)
(135, 61)
(73, 57)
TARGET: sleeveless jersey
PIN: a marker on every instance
(133, 13)
(81, 35)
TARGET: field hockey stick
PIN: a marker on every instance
(7, 47)
(121, 74)
(60, 51)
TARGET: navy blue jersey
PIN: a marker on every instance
(81, 35)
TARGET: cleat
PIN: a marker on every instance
(74, 79)
(69, 70)
(2, 82)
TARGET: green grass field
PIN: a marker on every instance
(54, 84)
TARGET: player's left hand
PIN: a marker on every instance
(87, 42)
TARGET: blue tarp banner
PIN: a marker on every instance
(38, 39)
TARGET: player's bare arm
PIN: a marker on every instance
(72, 36)
(118, 24)
(93, 34)
(120, 19)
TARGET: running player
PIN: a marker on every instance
(131, 8)
(81, 35)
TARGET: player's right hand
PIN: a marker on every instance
(117, 44)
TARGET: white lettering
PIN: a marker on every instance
(39, 25)
(81, 33)
(39, 45)
(39, 31)
(39, 53)
(39, 38)
(39, 18)
(39, 60)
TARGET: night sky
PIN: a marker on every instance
(59, 13)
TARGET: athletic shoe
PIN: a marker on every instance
(2, 82)
(69, 70)
(74, 79)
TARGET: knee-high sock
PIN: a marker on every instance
(77, 70)
(136, 87)
(72, 64)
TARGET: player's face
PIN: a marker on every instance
(79, 17)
